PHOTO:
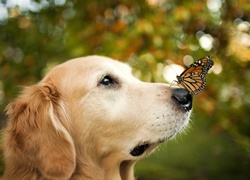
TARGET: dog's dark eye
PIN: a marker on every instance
(107, 81)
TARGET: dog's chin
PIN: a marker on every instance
(147, 147)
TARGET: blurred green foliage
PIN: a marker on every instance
(148, 34)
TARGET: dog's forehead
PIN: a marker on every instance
(91, 69)
(97, 65)
(108, 64)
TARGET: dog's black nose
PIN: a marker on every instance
(183, 97)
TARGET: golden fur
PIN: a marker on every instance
(75, 125)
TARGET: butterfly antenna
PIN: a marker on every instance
(172, 83)
(169, 62)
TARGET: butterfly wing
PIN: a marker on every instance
(206, 63)
(194, 77)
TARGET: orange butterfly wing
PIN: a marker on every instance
(194, 77)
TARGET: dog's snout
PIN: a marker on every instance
(183, 97)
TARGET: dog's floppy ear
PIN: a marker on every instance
(37, 133)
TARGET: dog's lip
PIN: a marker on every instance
(139, 149)
(142, 147)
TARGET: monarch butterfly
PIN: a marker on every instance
(194, 77)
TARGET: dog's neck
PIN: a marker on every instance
(90, 168)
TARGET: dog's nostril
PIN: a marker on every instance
(183, 97)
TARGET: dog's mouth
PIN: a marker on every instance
(143, 147)
(139, 150)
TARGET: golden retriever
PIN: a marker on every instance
(89, 118)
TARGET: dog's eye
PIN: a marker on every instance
(107, 81)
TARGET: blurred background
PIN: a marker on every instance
(158, 38)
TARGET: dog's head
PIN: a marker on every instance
(91, 112)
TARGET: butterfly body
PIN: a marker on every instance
(194, 77)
